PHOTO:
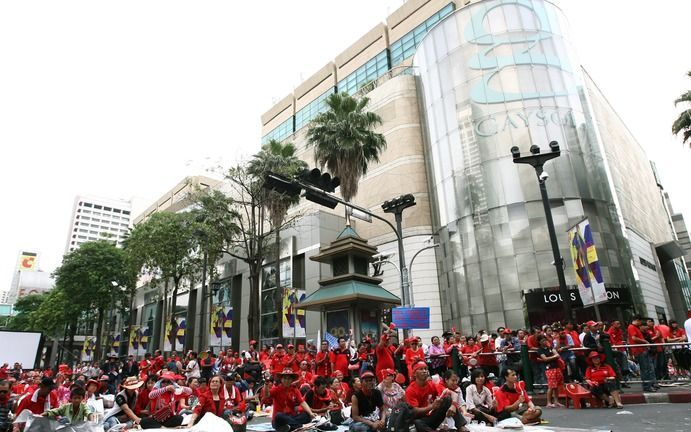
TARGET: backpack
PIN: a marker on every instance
(400, 418)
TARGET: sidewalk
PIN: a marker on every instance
(668, 393)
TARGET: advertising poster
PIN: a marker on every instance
(591, 287)
(144, 337)
(88, 348)
(220, 333)
(114, 344)
(175, 335)
(290, 315)
(133, 343)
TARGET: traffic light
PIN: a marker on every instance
(320, 180)
(280, 184)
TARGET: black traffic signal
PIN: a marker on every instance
(316, 178)
(280, 184)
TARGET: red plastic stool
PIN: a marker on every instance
(577, 393)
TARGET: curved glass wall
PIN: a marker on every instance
(495, 74)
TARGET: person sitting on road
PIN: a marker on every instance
(429, 410)
(164, 400)
(479, 399)
(602, 380)
(125, 403)
(367, 406)
(458, 411)
(286, 401)
(512, 400)
(74, 411)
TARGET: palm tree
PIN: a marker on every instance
(277, 158)
(345, 142)
(683, 122)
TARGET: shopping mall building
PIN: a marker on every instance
(457, 84)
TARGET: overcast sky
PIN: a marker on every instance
(123, 99)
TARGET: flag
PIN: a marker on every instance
(331, 339)
(586, 265)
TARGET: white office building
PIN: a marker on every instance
(96, 218)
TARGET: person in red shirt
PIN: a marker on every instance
(512, 399)
(413, 355)
(141, 408)
(383, 354)
(470, 351)
(635, 336)
(305, 376)
(602, 380)
(616, 337)
(319, 397)
(157, 363)
(219, 401)
(4, 371)
(165, 395)
(277, 364)
(488, 361)
(38, 401)
(340, 357)
(290, 411)
(659, 333)
(290, 359)
(322, 361)
(429, 410)
(681, 355)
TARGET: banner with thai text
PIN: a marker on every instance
(591, 286)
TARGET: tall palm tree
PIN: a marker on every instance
(278, 158)
(345, 142)
(683, 122)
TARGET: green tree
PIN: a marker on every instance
(91, 277)
(683, 123)
(277, 158)
(165, 245)
(345, 142)
(24, 307)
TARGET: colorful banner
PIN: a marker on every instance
(144, 338)
(220, 332)
(133, 343)
(591, 287)
(27, 261)
(175, 335)
(292, 297)
(88, 348)
(113, 344)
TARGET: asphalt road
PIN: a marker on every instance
(668, 417)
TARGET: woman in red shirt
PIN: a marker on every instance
(219, 401)
(470, 351)
(413, 355)
(602, 379)
(164, 398)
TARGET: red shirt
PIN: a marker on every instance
(413, 356)
(384, 355)
(3, 373)
(600, 374)
(305, 377)
(340, 361)
(632, 331)
(323, 364)
(468, 349)
(226, 400)
(678, 332)
(277, 363)
(286, 400)
(420, 397)
(38, 407)
(506, 396)
(616, 337)
(320, 402)
(577, 342)
(487, 360)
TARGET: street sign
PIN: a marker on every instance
(411, 317)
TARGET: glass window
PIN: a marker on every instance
(279, 133)
(366, 73)
(405, 46)
(309, 111)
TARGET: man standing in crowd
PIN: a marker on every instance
(635, 336)
(340, 357)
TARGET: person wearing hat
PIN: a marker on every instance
(367, 406)
(549, 356)
(413, 354)
(125, 403)
(429, 410)
(164, 403)
(391, 391)
(290, 360)
(286, 400)
(486, 357)
(602, 381)
(591, 335)
(277, 360)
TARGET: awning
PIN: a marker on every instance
(348, 292)
(668, 251)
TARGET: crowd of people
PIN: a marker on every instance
(370, 386)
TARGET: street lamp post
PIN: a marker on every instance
(537, 160)
(396, 206)
(410, 269)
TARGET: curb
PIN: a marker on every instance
(636, 398)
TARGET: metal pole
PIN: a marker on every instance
(401, 260)
(410, 270)
(202, 318)
(558, 260)
(295, 318)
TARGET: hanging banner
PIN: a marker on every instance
(133, 343)
(291, 314)
(144, 337)
(175, 334)
(88, 348)
(591, 286)
(114, 344)
(220, 333)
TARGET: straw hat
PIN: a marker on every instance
(132, 383)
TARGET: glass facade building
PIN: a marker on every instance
(493, 75)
